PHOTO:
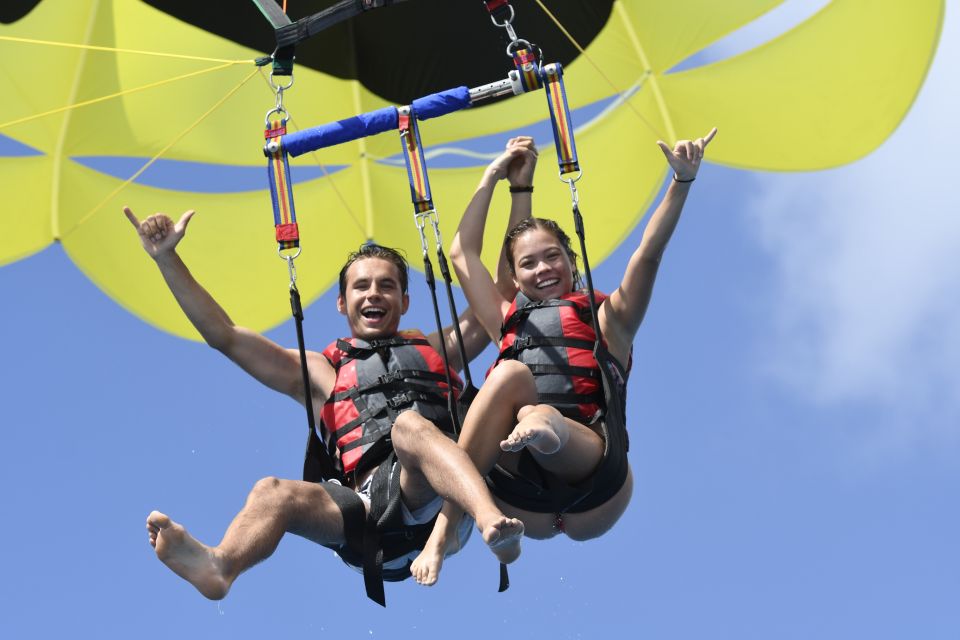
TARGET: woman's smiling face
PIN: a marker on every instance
(541, 267)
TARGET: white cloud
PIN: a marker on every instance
(867, 262)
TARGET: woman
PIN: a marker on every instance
(540, 425)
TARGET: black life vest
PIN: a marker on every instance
(376, 381)
(556, 340)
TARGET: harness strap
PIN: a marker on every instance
(423, 210)
(528, 69)
(281, 194)
(552, 76)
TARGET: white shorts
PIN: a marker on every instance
(421, 515)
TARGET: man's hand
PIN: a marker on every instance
(158, 233)
(685, 157)
(516, 163)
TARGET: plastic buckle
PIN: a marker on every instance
(387, 378)
(399, 400)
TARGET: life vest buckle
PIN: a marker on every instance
(400, 400)
(522, 343)
(388, 378)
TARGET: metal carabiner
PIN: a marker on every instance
(507, 21)
(418, 219)
(572, 182)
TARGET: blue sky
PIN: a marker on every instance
(795, 436)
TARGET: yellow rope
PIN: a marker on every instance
(113, 95)
(161, 152)
(597, 67)
(115, 50)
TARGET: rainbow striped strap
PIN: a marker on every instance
(552, 77)
(528, 67)
(281, 192)
(416, 164)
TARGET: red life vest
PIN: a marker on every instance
(376, 381)
(555, 339)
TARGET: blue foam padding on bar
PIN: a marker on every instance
(442, 103)
(328, 135)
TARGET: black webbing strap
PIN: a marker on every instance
(355, 352)
(317, 460)
(289, 34)
(563, 370)
(304, 28)
(452, 407)
(469, 390)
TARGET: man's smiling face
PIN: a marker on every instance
(373, 299)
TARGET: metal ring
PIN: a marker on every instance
(505, 22)
(571, 181)
(266, 118)
(293, 257)
(518, 41)
(279, 87)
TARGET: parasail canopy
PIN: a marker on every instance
(820, 95)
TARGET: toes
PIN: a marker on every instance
(158, 520)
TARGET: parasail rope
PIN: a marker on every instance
(598, 68)
(86, 103)
(162, 151)
(90, 47)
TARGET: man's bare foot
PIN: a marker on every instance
(188, 558)
(539, 427)
(503, 536)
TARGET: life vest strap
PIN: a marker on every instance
(356, 352)
(525, 310)
(563, 370)
(530, 342)
(401, 378)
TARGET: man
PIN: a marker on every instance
(373, 297)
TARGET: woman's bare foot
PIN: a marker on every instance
(426, 568)
(503, 536)
(196, 563)
(540, 427)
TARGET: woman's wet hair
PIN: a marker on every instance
(550, 226)
(372, 250)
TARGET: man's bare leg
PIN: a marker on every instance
(274, 507)
(432, 464)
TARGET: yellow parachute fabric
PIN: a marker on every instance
(825, 93)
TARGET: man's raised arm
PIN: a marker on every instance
(268, 362)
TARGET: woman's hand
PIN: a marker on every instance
(516, 163)
(686, 155)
